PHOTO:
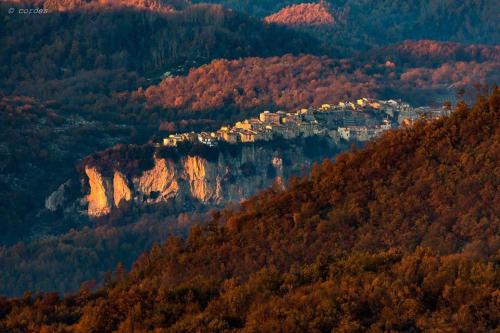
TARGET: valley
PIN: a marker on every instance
(249, 166)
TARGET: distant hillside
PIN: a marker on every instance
(364, 24)
(286, 82)
(432, 53)
(304, 14)
(160, 6)
(60, 44)
(85, 60)
(400, 236)
(301, 81)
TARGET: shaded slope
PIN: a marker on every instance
(431, 53)
(78, 62)
(159, 6)
(401, 236)
(363, 23)
(59, 44)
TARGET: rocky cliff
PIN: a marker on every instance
(225, 177)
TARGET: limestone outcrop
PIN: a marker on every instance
(215, 181)
(100, 198)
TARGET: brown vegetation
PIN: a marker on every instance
(288, 82)
(399, 236)
(304, 14)
(80, 63)
(302, 81)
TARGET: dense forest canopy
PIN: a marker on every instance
(306, 14)
(88, 255)
(59, 44)
(63, 75)
(364, 23)
(160, 6)
(431, 53)
(94, 74)
(401, 235)
(81, 120)
(301, 81)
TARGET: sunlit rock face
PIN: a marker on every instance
(100, 198)
(121, 189)
(215, 181)
(158, 184)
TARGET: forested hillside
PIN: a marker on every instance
(159, 6)
(431, 53)
(64, 75)
(399, 236)
(302, 81)
(91, 110)
(364, 23)
(81, 62)
(88, 255)
(305, 14)
(91, 80)
(60, 44)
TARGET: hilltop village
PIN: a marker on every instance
(361, 120)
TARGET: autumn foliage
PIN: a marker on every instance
(288, 81)
(304, 14)
(400, 236)
(301, 81)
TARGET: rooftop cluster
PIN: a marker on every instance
(360, 120)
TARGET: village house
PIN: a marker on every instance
(291, 118)
(347, 120)
(325, 107)
(307, 128)
(367, 103)
(264, 135)
(247, 135)
(344, 133)
(362, 102)
(270, 118)
(227, 134)
(189, 137)
(353, 119)
(431, 112)
(172, 140)
(253, 124)
(287, 131)
(347, 105)
(308, 117)
(208, 139)
(359, 133)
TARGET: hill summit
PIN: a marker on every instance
(304, 14)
